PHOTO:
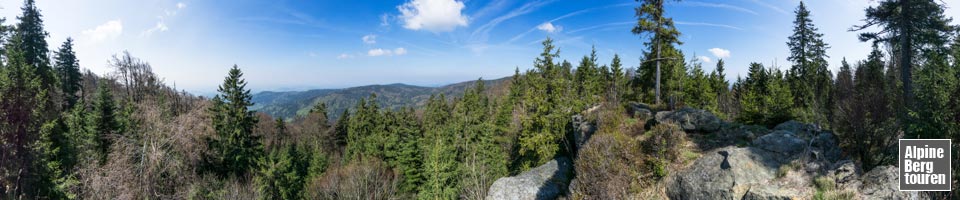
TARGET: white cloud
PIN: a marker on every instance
(386, 52)
(705, 59)
(369, 39)
(432, 15)
(344, 56)
(720, 53)
(109, 30)
(549, 27)
(379, 52)
(181, 5)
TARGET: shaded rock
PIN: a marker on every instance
(547, 181)
(782, 142)
(805, 131)
(846, 174)
(642, 114)
(582, 130)
(883, 183)
(690, 119)
(725, 173)
(826, 147)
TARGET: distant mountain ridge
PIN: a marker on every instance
(393, 96)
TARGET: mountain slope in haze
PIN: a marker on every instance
(392, 96)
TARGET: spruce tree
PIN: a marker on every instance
(26, 91)
(236, 149)
(911, 27)
(440, 165)
(809, 77)
(651, 19)
(68, 72)
(103, 120)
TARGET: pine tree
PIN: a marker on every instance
(408, 157)
(548, 103)
(236, 149)
(68, 72)
(282, 174)
(910, 27)
(340, 130)
(765, 97)
(366, 131)
(440, 165)
(936, 81)
(26, 91)
(843, 96)
(720, 86)
(651, 20)
(699, 89)
(483, 158)
(617, 80)
(809, 77)
(103, 120)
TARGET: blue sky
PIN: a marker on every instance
(296, 45)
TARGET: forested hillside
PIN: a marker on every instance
(67, 133)
(392, 96)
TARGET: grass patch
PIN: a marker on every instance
(786, 168)
(689, 155)
(827, 190)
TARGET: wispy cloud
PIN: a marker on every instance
(603, 26)
(571, 14)
(720, 5)
(771, 6)
(707, 24)
(482, 33)
(369, 39)
(705, 59)
(161, 25)
(344, 56)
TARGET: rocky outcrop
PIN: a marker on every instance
(779, 165)
(691, 120)
(724, 173)
(883, 183)
(547, 181)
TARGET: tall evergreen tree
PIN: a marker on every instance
(651, 19)
(103, 120)
(408, 157)
(617, 79)
(68, 72)
(911, 27)
(236, 149)
(809, 77)
(26, 88)
(440, 164)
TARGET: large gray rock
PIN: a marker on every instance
(724, 173)
(782, 142)
(883, 183)
(547, 181)
(800, 129)
(690, 119)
